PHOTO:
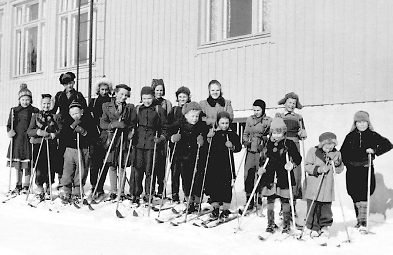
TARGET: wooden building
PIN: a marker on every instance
(327, 51)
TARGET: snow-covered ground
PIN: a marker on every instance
(24, 230)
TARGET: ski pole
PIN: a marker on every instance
(152, 175)
(339, 200)
(11, 148)
(204, 173)
(368, 192)
(34, 169)
(233, 177)
(303, 178)
(79, 165)
(192, 182)
(290, 191)
(121, 176)
(252, 194)
(49, 169)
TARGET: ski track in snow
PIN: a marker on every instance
(29, 231)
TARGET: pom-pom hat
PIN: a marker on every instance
(191, 106)
(292, 95)
(24, 91)
(327, 138)
(278, 125)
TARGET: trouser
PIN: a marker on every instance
(175, 177)
(285, 208)
(321, 215)
(160, 165)
(41, 162)
(70, 177)
(143, 167)
(250, 167)
(97, 155)
(19, 174)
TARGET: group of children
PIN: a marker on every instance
(110, 134)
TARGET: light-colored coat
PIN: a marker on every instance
(211, 112)
(314, 159)
(256, 131)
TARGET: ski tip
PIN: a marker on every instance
(135, 214)
(174, 224)
(119, 215)
(90, 207)
(261, 238)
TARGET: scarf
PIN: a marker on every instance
(212, 102)
(44, 120)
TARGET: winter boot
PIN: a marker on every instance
(214, 214)
(39, 197)
(225, 214)
(112, 197)
(25, 190)
(17, 190)
(325, 232)
(287, 223)
(191, 208)
(175, 198)
(252, 203)
(65, 198)
(271, 226)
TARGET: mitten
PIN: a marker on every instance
(229, 144)
(335, 157)
(159, 139)
(175, 138)
(261, 170)
(75, 123)
(80, 130)
(302, 134)
(200, 140)
(288, 166)
(323, 169)
(42, 133)
(117, 124)
(370, 151)
(11, 133)
(211, 133)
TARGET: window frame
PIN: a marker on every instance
(222, 38)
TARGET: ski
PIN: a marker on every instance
(190, 217)
(175, 214)
(8, 198)
(283, 237)
(165, 206)
(221, 221)
(35, 203)
(265, 236)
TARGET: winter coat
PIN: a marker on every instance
(62, 103)
(221, 166)
(315, 158)
(95, 107)
(43, 121)
(256, 131)
(21, 148)
(210, 112)
(164, 103)
(148, 121)
(176, 114)
(276, 152)
(292, 121)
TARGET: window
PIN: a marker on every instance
(29, 28)
(68, 33)
(223, 19)
(1, 37)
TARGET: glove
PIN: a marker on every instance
(261, 170)
(50, 136)
(335, 157)
(159, 139)
(75, 123)
(200, 140)
(210, 134)
(80, 130)
(130, 134)
(370, 151)
(302, 134)
(229, 144)
(323, 169)
(175, 138)
(247, 144)
(11, 133)
(118, 124)
(260, 147)
(42, 133)
(288, 166)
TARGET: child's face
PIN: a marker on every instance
(361, 125)
(69, 86)
(192, 116)
(25, 101)
(122, 95)
(147, 100)
(257, 111)
(223, 123)
(276, 135)
(159, 91)
(45, 104)
(328, 147)
(214, 91)
(76, 113)
(104, 90)
(182, 99)
(290, 104)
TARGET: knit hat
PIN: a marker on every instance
(24, 91)
(327, 138)
(103, 80)
(191, 106)
(75, 104)
(147, 91)
(278, 125)
(66, 78)
(156, 82)
(224, 114)
(293, 96)
(183, 90)
(123, 86)
(361, 116)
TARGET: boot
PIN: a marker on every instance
(252, 203)
(362, 214)
(215, 213)
(17, 190)
(271, 226)
(175, 198)
(225, 214)
(287, 223)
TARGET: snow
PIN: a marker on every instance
(25, 230)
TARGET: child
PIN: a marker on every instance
(221, 168)
(150, 124)
(361, 141)
(189, 133)
(295, 130)
(254, 138)
(176, 114)
(42, 128)
(97, 151)
(18, 122)
(83, 125)
(319, 161)
(159, 91)
(116, 116)
(275, 183)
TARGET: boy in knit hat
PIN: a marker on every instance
(320, 184)
(361, 142)
(83, 125)
(189, 134)
(283, 156)
(254, 139)
(295, 131)
(150, 122)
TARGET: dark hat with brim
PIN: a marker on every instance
(123, 86)
(66, 78)
(292, 95)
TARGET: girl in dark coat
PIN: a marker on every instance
(18, 122)
(274, 181)
(361, 141)
(221, 169)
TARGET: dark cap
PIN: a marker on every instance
(66, 78)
